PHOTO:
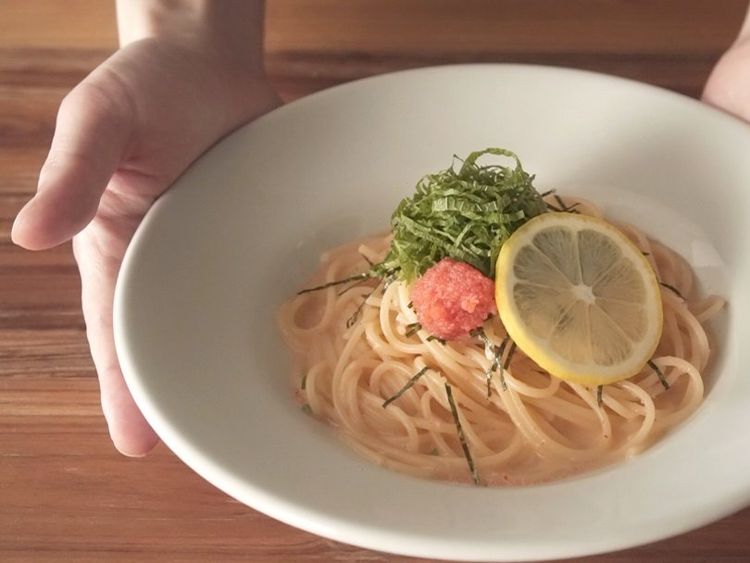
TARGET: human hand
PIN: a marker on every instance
(728, 86)
(123, 135)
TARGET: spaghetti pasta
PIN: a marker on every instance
(387, 388)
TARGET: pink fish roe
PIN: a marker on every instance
(452, 298)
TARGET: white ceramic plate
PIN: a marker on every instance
(239, 231)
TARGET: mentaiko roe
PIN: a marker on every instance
(452, 298)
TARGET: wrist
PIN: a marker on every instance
(230, 29)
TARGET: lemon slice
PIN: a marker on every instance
(578, 298)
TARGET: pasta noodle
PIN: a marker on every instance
(531, 428)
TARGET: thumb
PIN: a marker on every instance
(90, 136)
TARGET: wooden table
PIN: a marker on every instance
(65, 494)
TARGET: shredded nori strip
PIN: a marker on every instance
(503, 384)
(563, 207)
(436, 339)
(497, 353)
(479, 333)
(355, 277)
(489, 348)
(511, 351)
(355, 316)
(366, 259)
(303, 383)
(506, 363)
(560, 202)
(413, 328)
(488, 379)
(388, 277)
(672, 289)
(599, 392)
(659, 374)
(412, 380)
(461, 437)
(306, 409)
(353, 285)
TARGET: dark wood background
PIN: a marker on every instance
(65, 494)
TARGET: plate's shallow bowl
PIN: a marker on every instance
(206, 271)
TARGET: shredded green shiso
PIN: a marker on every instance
(465, 214)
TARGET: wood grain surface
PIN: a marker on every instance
(65, 494)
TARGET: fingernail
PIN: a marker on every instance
(16, 229)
